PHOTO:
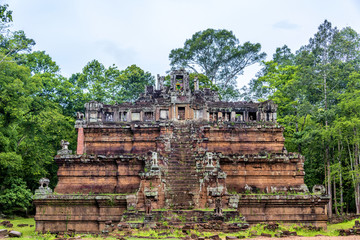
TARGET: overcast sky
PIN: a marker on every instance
(143, 32)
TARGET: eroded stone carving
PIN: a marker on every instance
(248, 188)
(44, 187)
(131, 202)
(79, 116)
(148, 206)
(318, 189)
(234, 201)
(154, 165)
(218, 207)
(65, 148)
(302, 188)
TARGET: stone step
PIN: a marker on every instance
(181, 158)
(181, 176)
(187, 166)
(181, 190)
(186, 187)
(174, 173)
(182, 164)
(182, 167)
(178, 164)
(180, 161)
(178, 184)
(186, 176)
(181, 145)
(185, 157)
(178, 197)
(180, 193)
(177, 172)
(183, 181)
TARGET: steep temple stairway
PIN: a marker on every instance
(182, 179)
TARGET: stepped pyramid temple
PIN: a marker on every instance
(178, 155)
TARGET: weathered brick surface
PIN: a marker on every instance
(83, 213)
(253, 158)
(301, 209)
(80, 141)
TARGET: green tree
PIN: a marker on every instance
(345, 130)
(218, 55)
(15, 42)
(93, 80)
(5, 16)
(130, 83)
(14, 104)
(39, 62)
(310, 88)
(204, 82)
(107, 85)
(326, 63)
(16, 198)
(262, 87)
(31, 120)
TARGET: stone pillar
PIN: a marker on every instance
(246, 116)
(233, 116)
(157, 87)
(80, 141)
(196, 84)
(220, 117)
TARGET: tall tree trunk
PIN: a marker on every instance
(354, 178)
(340, 179)
(328, 180)
(356, 167)
(335, 199)
(327, 159)
(297, 130)
(325, 167)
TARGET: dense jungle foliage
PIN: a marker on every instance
(317, 89)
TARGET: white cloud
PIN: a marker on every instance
(143, 32)
(285, 24)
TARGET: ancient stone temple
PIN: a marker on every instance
(182, 151)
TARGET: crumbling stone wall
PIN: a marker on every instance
(183, 165)
(80, 213)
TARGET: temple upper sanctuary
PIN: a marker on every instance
(178, 102)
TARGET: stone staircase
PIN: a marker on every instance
(182, 179)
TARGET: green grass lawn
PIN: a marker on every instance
(26, 231)
(29, 232)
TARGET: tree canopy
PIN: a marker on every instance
(218, 55)
(37, 109)
(316, 91)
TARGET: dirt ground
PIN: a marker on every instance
(312, 238)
